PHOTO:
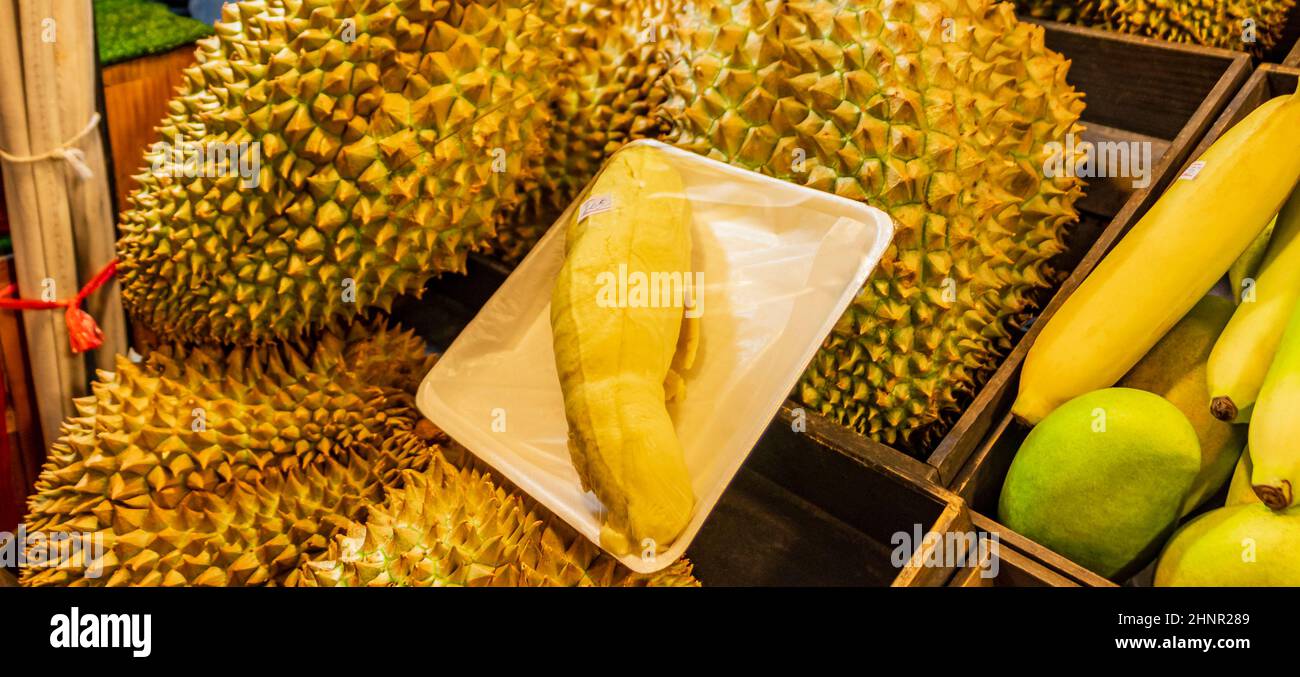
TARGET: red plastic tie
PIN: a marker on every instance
(83, 332)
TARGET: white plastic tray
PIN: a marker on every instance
(781, 264)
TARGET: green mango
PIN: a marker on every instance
(1238, 546)
(1175, 370)
(1103, 479)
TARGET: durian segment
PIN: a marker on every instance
(453, 525)
(1247, 25)
(201, 467)
(614, 351)
(390, 135)
(939, 112)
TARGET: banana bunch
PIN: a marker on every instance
(620, 359)
(1275, 426)
(1211, 222)
(1254, 369)
(1240, 358)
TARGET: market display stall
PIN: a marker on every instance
(720, 293)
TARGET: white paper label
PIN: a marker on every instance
(595, 205)
(1192, 170)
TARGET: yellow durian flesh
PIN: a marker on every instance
(613, 357)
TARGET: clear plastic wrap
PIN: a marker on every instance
(780, 265)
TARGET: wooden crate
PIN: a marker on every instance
(136, 93)
(1137, 89)
(1024, 563)
(1014, 571)
(800, 513)
(980, 481)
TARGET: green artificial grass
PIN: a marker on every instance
(127, 29)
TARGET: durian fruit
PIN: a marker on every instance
(607, 93)
(945, 114)
(215, 467)
(205, 467)
(453, 525)
(389, 133)
(1214, 23)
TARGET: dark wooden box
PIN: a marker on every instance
(980, 481)
(1137, 89)
(802, 514)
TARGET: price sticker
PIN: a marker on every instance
(1192, 170)
(595, 205)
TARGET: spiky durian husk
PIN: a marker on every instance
(606, 94)
(384, 159)
(1213, 23)
(454, 525)
(943, 125)
(202, 467)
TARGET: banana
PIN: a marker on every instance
(1239, 489)
(1275, 427)
(1248, 264)
(1242, 354)
(618, 358)
(1166, 263)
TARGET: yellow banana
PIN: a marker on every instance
(1166, 263)
(614, 352)
(1239, 489)
(1248, 264)
(1275, 425)
(1244, 350)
